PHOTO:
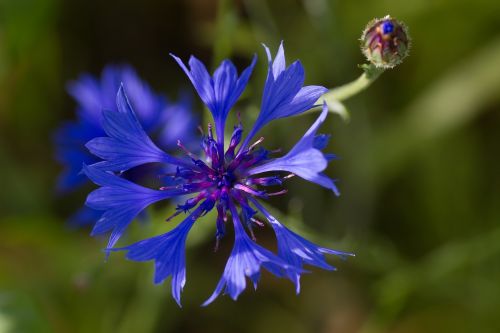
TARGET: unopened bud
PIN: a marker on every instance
(385, 42)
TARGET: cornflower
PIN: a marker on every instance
(232, 180)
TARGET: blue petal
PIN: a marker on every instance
(128, 145)
(147, 105)
(71, 178)
(219, 93)
(302, 101)
(93, 96)
(295, 250)
(279, 92)
(284, 94)
(169, 253)
(179, 122)
(71, 153)
(245, 260)
(84, 216)
(304, 160)
(201, 80)
(87, 92)
(321, 141)
(279, 64)
(121, 201)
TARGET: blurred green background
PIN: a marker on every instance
(419, 169)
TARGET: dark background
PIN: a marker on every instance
(419, 168)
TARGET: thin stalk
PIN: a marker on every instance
(344, 92)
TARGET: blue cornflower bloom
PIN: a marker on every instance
(94, 95)
(229, 180)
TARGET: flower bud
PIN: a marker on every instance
(385, 42)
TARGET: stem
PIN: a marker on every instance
(339, 94)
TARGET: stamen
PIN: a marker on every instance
(217, 243)
(166, 188)
(189, 175)
(252, 235)
(210, 132)
(234, 142)
(257, 222)
(213, 154)
(188, 187)
(256, 143)
(277, 193)
(220, 225)
(265, 181)
(205, 168)
(177, 212)
(190, 203)
(250, 190)
(190, 154)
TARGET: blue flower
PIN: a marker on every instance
(94, 95)
(230, 180)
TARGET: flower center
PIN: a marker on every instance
(225, 179)
(217, 178)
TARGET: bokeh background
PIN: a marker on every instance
(419, 170)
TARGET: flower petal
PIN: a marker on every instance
(121, 201)
(86, 91)
(304, 159)
(178, 122)
(279, 64)
(169, 253)
(246, 259)
(219, 93)
(295, 250)
(128, 145)
(283, 95)
(69, 140)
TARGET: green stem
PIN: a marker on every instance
(339, 94)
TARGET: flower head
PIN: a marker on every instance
(97, 95)
(385, 42)
(230, 180)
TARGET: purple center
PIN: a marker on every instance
(219, 179)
